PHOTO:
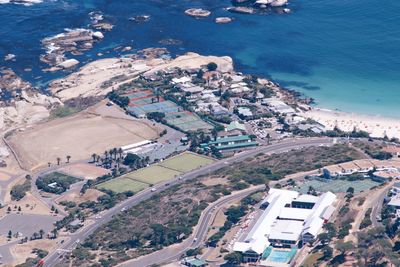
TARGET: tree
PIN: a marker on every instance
(327, 252)
(58, 161)
(268, 137)
(41, 233)
(350, 190)
(19, 208)
(9, 235)
(54, 232)
(9, 209)
(212, 66)
(131, 159)
(233, 258)
(68, 158)
(157, 116)
(344, 247)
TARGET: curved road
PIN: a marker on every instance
(53, 258)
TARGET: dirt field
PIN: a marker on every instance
(31, 205)
(90, 195)
(84, 170)
(22, 251)
(78, 136)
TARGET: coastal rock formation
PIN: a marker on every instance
(252, 6)
(223, 20)
(140, 18)
(21, 2)
(242, 10)
(102, 76)
(9, 57)
(197, 12)
(23, 104)
(74, 41)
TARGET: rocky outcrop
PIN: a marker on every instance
(197, 12)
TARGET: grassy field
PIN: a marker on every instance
(186, 162)
(338, 186)
(166, 170)
(123, 184)
(153, 174)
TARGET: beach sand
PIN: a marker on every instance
(376, 126)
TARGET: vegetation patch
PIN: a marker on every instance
(55, 182)
(19, 191)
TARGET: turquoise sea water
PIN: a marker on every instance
(343, 53)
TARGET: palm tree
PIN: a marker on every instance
(54, 232)
(41, 233)
(268, 138)
(120, 152)
(49, 164)
(58, 161)
(68, 158)
(106, 154)
(94, 157)
(98, 158)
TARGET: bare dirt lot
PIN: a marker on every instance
(84, 170)
(90, 195)
(22, 251)
(78, 136)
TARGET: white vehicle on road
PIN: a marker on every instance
(153, 189)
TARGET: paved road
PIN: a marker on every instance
(196, 239)
(377, 207)
(53, 258)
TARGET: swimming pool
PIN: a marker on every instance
(282, 256)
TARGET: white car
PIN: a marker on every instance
(153, 189)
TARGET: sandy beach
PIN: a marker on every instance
(376, 126)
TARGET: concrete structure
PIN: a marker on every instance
(230, 142)
(288, 218)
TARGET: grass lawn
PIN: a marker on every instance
(122, 184)
(153, 174)
(186, 162)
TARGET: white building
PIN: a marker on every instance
(287, 219)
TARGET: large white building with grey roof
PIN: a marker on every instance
(288, 218)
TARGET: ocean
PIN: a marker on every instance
(343, 53)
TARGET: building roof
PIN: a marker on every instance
(196, 262)
(307, 198)
(328, 212)
(286, 230)
(364, 164)
(395, 201)
(294, 214)
(235, 125)
(231, 139)
(313, 226)
(392, 149)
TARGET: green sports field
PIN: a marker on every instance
(186, 162)
(123, 184)
(163, 171)
(153, 174)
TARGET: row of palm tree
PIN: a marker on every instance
(58, 159)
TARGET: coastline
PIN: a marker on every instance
(88, 79)
(377, 126)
